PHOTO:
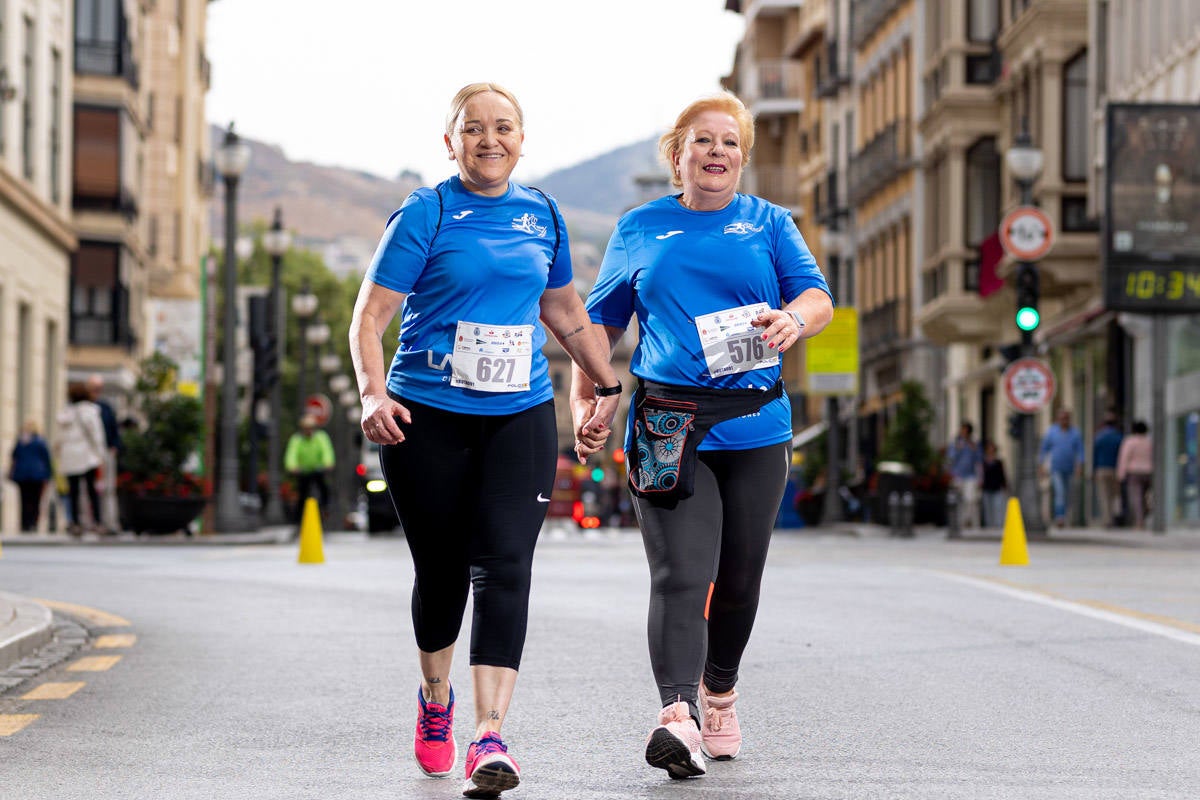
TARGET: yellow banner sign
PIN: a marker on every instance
(831, 358)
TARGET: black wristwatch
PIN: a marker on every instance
(608, 391)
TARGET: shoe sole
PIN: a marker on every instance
(724, 757)
(666, 751)
(490, 780)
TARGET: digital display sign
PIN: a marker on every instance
(1152, 208)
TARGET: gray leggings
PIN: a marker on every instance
(706, 556)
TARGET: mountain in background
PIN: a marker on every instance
(340, 212)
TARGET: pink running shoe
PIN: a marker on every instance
(675, 744)
(434, 743)
(490, 769)
(721, 736)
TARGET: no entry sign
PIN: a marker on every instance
(1028, 385)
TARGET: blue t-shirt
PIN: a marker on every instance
(488, 262)
(1105, 447)
(667, 264)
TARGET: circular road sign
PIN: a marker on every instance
(1026, 233)
(1028, 385)
(320, 407)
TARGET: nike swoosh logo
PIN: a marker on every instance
(667, 235)
(543, 499)
(462, 214)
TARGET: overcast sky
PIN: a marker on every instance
(366, 83)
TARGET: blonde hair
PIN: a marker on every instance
(470, 90)
(671, 142)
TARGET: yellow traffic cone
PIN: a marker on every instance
(1013, 550)
(312, 550)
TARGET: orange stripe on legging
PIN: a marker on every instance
(708, 599)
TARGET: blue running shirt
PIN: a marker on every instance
(668, 264)
(489, 262)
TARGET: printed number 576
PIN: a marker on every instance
(748, 349)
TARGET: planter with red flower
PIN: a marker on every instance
(158, 490)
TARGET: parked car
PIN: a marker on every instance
(374, 499)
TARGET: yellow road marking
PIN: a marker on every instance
(93, 664)
(12, 723)
(95, 616)
(116, 640)
(54, 691)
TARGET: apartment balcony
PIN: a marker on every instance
(953, 312)
(775, 182)
(774, 87)
(835, 75)
(111, 59)
(866, 16)
(831, 210)
(883, 158)
(880, 331)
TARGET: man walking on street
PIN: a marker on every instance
(108, 516)
(966, 468)
(1062, 454)
(1105, 447)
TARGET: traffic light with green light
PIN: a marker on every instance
(1027, 317)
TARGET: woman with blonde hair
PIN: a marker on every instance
(465, 413)
(721, 284)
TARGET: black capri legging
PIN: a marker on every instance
(706, 556)
(472, 493)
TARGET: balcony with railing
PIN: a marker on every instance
(835, 75)
(883, 158)
(867, 15)
(776, 86)
(775, 182)
(832, 211)
(880, 329)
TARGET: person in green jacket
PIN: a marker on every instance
(308, 457)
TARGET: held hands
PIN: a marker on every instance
(379, 415)
(781, 329)
(593, 423)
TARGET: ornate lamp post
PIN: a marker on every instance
(276, 242)
(304, 306)
(1025, 164)
(231, 160)
(315, 335)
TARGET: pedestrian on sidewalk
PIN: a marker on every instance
(106, 478)
(1061, 455)
(30, 468)
(1105, 446)
(966, 470)
(704, 271)
(308, 458)
(1135, 466)
(465, 413)
(79, 454)
(995, 487)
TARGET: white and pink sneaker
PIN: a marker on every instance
(720, 734)
(675, 744)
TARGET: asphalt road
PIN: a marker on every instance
(879, 669)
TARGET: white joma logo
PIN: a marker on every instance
(462, 214)
(667, 235)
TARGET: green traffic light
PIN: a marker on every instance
(597, 474)
(1028, 318)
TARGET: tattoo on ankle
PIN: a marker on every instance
(493, 714)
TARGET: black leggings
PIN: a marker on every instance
(88, 481)
(468, 490)
(706, 555)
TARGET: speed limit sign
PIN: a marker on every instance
(1028, 385)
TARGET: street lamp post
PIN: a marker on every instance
(330, 363)
(276, 241)
(231, 160)
(1025, 164)
(315, 336)
(304, 306)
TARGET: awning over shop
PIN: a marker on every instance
(808, 434)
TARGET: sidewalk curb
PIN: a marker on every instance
(25, 627)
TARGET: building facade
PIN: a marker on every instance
(36, 239)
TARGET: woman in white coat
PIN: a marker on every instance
(79, 452)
